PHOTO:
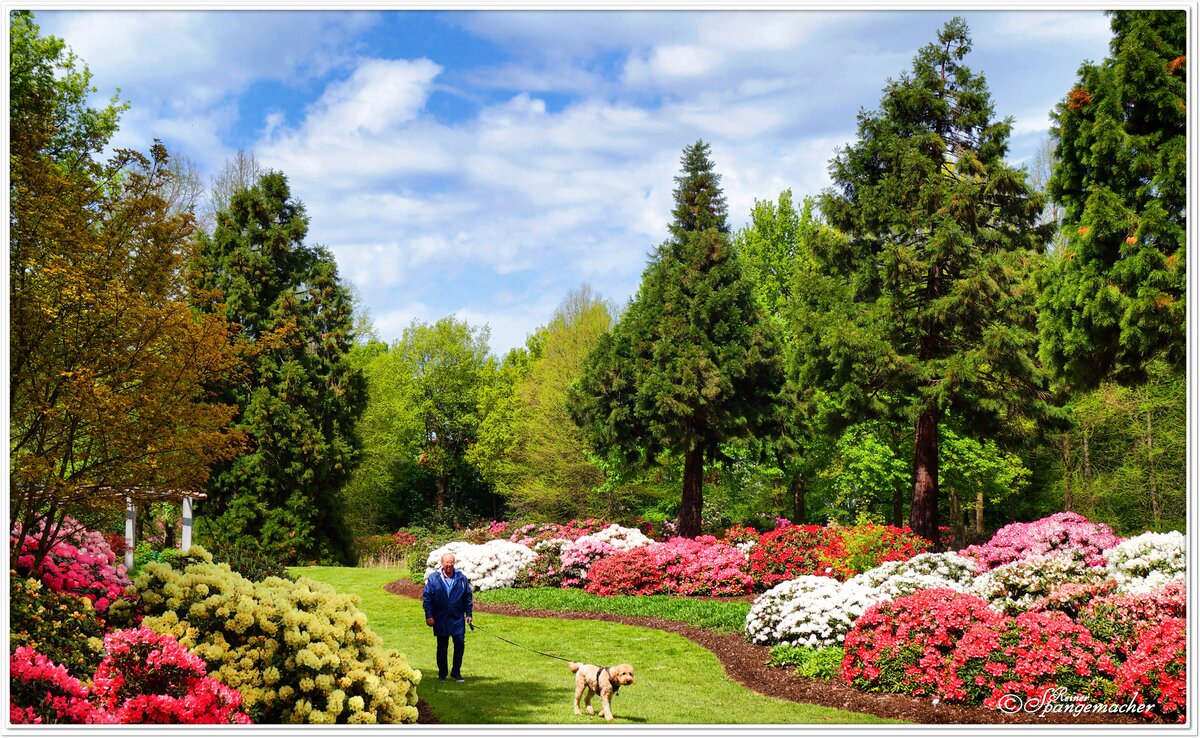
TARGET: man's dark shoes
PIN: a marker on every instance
(457, 677)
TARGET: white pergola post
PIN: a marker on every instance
(185, 541)
(130, 520)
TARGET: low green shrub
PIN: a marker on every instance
(811, 663)
(297, 651)
(62, 626)
(722, 616)
(252, 564)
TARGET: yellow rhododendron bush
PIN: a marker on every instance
(298, 652)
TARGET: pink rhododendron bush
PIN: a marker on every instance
(144, 678)
(680, 566)
(79, 561)
(1120, 619)
(1062, 533)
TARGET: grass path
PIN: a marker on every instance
(677, 681)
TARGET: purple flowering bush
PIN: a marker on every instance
(79, 562)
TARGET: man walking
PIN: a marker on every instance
(448, 602)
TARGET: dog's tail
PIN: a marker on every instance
(574, 666)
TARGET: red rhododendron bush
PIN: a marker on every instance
(1156, 671)
(903, 645)
(792, 551)
(79, 561)
(1026, 656)
(144, 678)
(1120, 619)
(680, 566)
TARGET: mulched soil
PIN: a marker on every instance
(746, 663)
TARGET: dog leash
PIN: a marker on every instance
(518, 645)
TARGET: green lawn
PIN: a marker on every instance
(677, 681)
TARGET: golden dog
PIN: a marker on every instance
(601, 680)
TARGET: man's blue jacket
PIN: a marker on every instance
(447, 605)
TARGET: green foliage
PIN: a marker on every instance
(1114, 298)
(47, 80)
(936, 273)
(297, 651)
(691, 363)
(248, 562)
(300, 397)
(723, 616)
(549, 471)
(63, 627)
(1124, 460)
(811, 663)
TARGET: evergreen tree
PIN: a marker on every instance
(692, 362)
(1114, 298)
(300, 397)
(942, 237)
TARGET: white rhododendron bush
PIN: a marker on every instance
(807, 611)
(819, 611)
(1148, 561)
(490, 565)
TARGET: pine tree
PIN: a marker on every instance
(299, 398)
(1114, 299)
(691, 362)
(942, 238)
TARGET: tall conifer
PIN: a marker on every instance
(299, 398)
(942, 238)
(692, 362)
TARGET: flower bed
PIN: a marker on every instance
(1062, 533)
(788, 552)
(1156, 671)
(144, 677)
(1119, 619)
(903, 645)
(1016, 586)
(816, 612)
(1145, 562)
(486, 565)
(680, 566)
(1026, 655)
(81, 562)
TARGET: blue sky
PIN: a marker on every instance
(487, 163)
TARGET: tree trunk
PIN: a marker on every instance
(923, 512)
(799, 513)
(693, 493)
(958, 533)
(1154, 509)
(898, 507)
(979, 514)
(1066, 464)
(441, 493)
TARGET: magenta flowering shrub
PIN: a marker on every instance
(577, 557)
(531, 534)
(1072, 597)
(903, 645)
(144, 678)
(1119, 619)
(1156, 671)
(80, 562)
(1026, 655)
(680, 566)
(1061, 533)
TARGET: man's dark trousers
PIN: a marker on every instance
(443, 644)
